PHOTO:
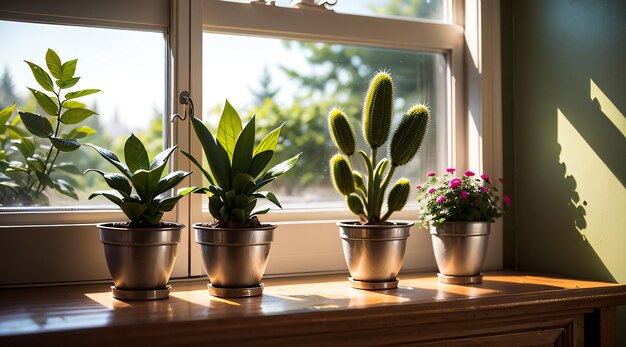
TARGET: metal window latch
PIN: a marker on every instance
(184, 98)
(314, 4)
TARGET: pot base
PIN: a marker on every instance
(221, 292)
(460, 279)
(373, 285)
(157, 294)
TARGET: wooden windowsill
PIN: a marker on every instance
(313, 309)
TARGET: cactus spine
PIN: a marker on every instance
(365, 196)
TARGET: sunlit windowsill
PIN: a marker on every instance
(290, 306)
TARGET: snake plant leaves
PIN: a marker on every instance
(134, 210)
(64, 145)
(259, 162)
(36, 124)
(41, 76)
(79, 93)
(111, 158)
(116, 181)
(112, 195)
(206, 174)
(243, 148)
(76, 115)
(170, 181)
(269, 142)
(243, 182)
(54, 63)
(145, 183)
(45, 102)
(219, 167)
(283, 167)
(135, 154)
(229, 129)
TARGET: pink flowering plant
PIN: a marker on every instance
(460, 199)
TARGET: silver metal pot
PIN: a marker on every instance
(140, 260)
(460, 249)
(235, 258)
(374, 253)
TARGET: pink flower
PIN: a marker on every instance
(501, 180)
(484, 189)
(464, 195)
(455, 182)
(431, 174)
(469, 173)
(484, 177)
(507, 200)
(419, 187)
(431, 190)
(441, 199)
(450, 170)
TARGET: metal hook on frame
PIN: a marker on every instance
(184, 98)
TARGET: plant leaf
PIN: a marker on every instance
(76, 115)
(67, 83)
(41, 76)
(168, 204)
(219, 168)
(72, 104)
(67, 167)
(259, 162)
(243, 182)
(135, 154)
(195, 162)
(37, 164)
(79, 93)
(145, 183)
(44, 179)
(36, 124)
(45, 102)
(111, 158)
(115, 181)
(68, 69)
(64, 145)
(229, 129)
(264, 211)
(170, 181)
(269, 142)
(54, 63)
(242, 157)
(65, 188)
(5, 114)
(271, 197)
(81, 132)
(282, 167)
(133, 210)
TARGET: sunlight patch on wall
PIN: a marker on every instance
(602, 197)
(608, 108)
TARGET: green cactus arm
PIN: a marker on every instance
(398, 196)
(409, 135)
(383, 187)
(377, 110)
(341, 132)
(341, 175)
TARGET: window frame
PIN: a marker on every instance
(470, 40)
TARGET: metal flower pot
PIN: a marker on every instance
(235, 259)
(140, 260)
(460, 249)
(374, 253)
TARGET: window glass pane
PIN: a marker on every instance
(421, 9)
(297, 82)
(128, 66)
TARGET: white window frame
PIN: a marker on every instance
(63, 246)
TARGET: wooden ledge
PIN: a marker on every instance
(313, 310)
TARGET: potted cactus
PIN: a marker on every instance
(236, 245)
(140, 252)
(374, 247)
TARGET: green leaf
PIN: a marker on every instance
(67, 167)
(198, 190)
(133, 210)
(170, 181)
(44, 179)
(68, 69)
(54, 63)
(195, 162)
(260, 184)
(229, 129)
(79, 93)
(81, 132)
(37, 164)
(242, 157)
(46, 103)
(64, 145)
(115, 181)
(36, 124)
(269, 142)
(135, 154)
(264, 211)
(41, 76)
(271, 197)
(25, 146)
(219, 167)
(168, 204)
(76, 115)
(162, 158)
(65, 188)
(243, 182)
(282, 167)
(259, 162)
(72, 104)
(5, 114)
(239, 214)
(67, 83)
(145, 183)
(113, 195)
(111, 158)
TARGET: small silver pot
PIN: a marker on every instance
(374, 253)
(235, 258)
(140, 260)
(460, 249)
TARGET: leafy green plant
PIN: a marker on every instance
(464, 199)
(237, 169)
(139, 190)
(365, 194)
(31, 160)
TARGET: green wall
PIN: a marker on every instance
(564, 101)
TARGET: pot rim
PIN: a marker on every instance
(266, 226)
(170, 226)
(461, 229)
(358, 225)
